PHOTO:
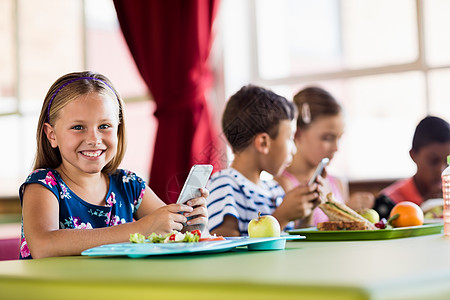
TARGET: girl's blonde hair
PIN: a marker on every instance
(66, 89)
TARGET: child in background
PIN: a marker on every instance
(77, 198)
(259, 126)
(430, 147)
(320, 126)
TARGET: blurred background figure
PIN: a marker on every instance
(430, 147)
(320, 126)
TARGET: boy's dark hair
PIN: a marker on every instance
(430, 130)
(253, 110)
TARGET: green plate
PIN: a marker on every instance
(313, 234)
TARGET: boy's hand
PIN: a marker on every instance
(299, 203)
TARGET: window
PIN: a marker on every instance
(31, 44)
(42, 40)
(387, 62)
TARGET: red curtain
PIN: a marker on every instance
(170, 41)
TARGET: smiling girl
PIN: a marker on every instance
(77, 184)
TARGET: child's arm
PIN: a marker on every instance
(229, 227)
(41, 223)
(357, 201)
(154, 209)
(361, 200)
(298, 204)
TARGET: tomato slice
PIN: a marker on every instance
(209, 239)
(172, 237)
(198, 232)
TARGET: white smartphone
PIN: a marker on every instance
(197, 178)
(323, 163)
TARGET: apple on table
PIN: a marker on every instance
(264, 226)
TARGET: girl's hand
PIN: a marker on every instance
(199, 214)
(165, 219)
(154, 215)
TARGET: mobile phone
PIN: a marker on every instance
(197, 178)
(323, 163)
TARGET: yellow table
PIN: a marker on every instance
(408, 268)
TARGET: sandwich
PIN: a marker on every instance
(342, 217)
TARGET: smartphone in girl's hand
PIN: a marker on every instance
(323, 163)
(197, 178)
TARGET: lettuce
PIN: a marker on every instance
(189, 237)
(157, 238)
(137, 238)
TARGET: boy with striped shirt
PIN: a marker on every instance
(259, 126)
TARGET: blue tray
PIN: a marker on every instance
(150, 249)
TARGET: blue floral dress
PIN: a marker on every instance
(122, 201)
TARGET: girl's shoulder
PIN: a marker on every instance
(48, 178)
(48, 175)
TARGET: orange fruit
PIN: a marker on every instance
(409, 214)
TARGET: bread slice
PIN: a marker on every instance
(337, 211)
(342, 225)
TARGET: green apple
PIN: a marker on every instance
(264, 226)
(371, 215)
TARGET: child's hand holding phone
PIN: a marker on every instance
(319, 170)
(194, 195)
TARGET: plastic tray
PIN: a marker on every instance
(313, 234)
(149, 249)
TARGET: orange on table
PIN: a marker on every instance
(410, 214)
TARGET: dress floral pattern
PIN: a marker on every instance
(124, 196)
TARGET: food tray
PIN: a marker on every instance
(150, 249)
(313, 234)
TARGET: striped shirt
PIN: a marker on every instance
(231, 193)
